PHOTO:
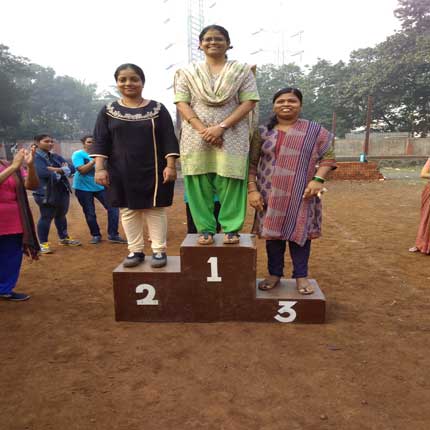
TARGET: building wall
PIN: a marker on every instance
(383, 147)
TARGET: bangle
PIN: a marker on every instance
(252, 182)
(318, 179)
(100, 170)
(253, 191)
(192, 117)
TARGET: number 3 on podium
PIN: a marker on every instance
(286, 308)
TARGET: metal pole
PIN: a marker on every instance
(333, 123)
(363, 156)
(333, 126)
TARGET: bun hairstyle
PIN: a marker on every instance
(219, 28)
(274, 120)
(133, 67)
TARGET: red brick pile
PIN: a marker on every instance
(355, 170)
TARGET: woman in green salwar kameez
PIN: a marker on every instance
(215, 99)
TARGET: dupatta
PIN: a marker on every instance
(226, 86)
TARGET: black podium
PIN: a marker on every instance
(210, 283)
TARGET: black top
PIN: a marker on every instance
(136, 142)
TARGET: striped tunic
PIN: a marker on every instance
(285, 164)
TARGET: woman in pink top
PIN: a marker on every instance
(17, 233)
(422, 242)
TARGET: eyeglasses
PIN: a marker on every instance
(213, 39)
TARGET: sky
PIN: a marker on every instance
(88, 39)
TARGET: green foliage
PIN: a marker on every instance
(13, 70)
(270, 79)
(395, 72)
(414, 14)
(35, 100)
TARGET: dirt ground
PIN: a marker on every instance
(68, 365)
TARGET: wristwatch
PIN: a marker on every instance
(222, 125)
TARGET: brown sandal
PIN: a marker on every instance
(269, 283)
(305, 290)
(205, 238)
(231, 238)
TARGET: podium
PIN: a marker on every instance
(209, 283)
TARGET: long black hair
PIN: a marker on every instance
(274, 120)
(133, 67)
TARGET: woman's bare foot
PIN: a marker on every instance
(304, 286)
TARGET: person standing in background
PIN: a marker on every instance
(53, 194)
(86, 190)
(17, 231)
(422, 242)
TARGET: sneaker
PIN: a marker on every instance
(45, 248)
(95, 240)
(159, 259)
(133, 259)
(116, 239)
(15, 297)
(69, 241)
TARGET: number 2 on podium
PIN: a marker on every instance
(149, 298)
(213, 261)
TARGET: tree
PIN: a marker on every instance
(13, 70)
(270, 79)
(323, 94)
(414, 15)
(60, 105)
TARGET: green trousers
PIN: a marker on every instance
(232, 194)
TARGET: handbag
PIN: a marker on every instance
(49, 198)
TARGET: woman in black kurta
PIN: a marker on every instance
(129, 137)
(135, 149)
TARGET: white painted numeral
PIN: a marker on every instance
(213, 261)
(286, 308)
(149, 298)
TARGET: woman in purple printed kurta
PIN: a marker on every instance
(288, 165)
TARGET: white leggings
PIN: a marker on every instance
(133, 222)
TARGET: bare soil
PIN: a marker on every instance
(67, 365)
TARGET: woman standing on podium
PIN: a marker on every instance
(215, 98)
(288, 166)
(135, 151)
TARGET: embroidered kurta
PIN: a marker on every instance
(197, 156)
(136, 142)
(285, 164)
